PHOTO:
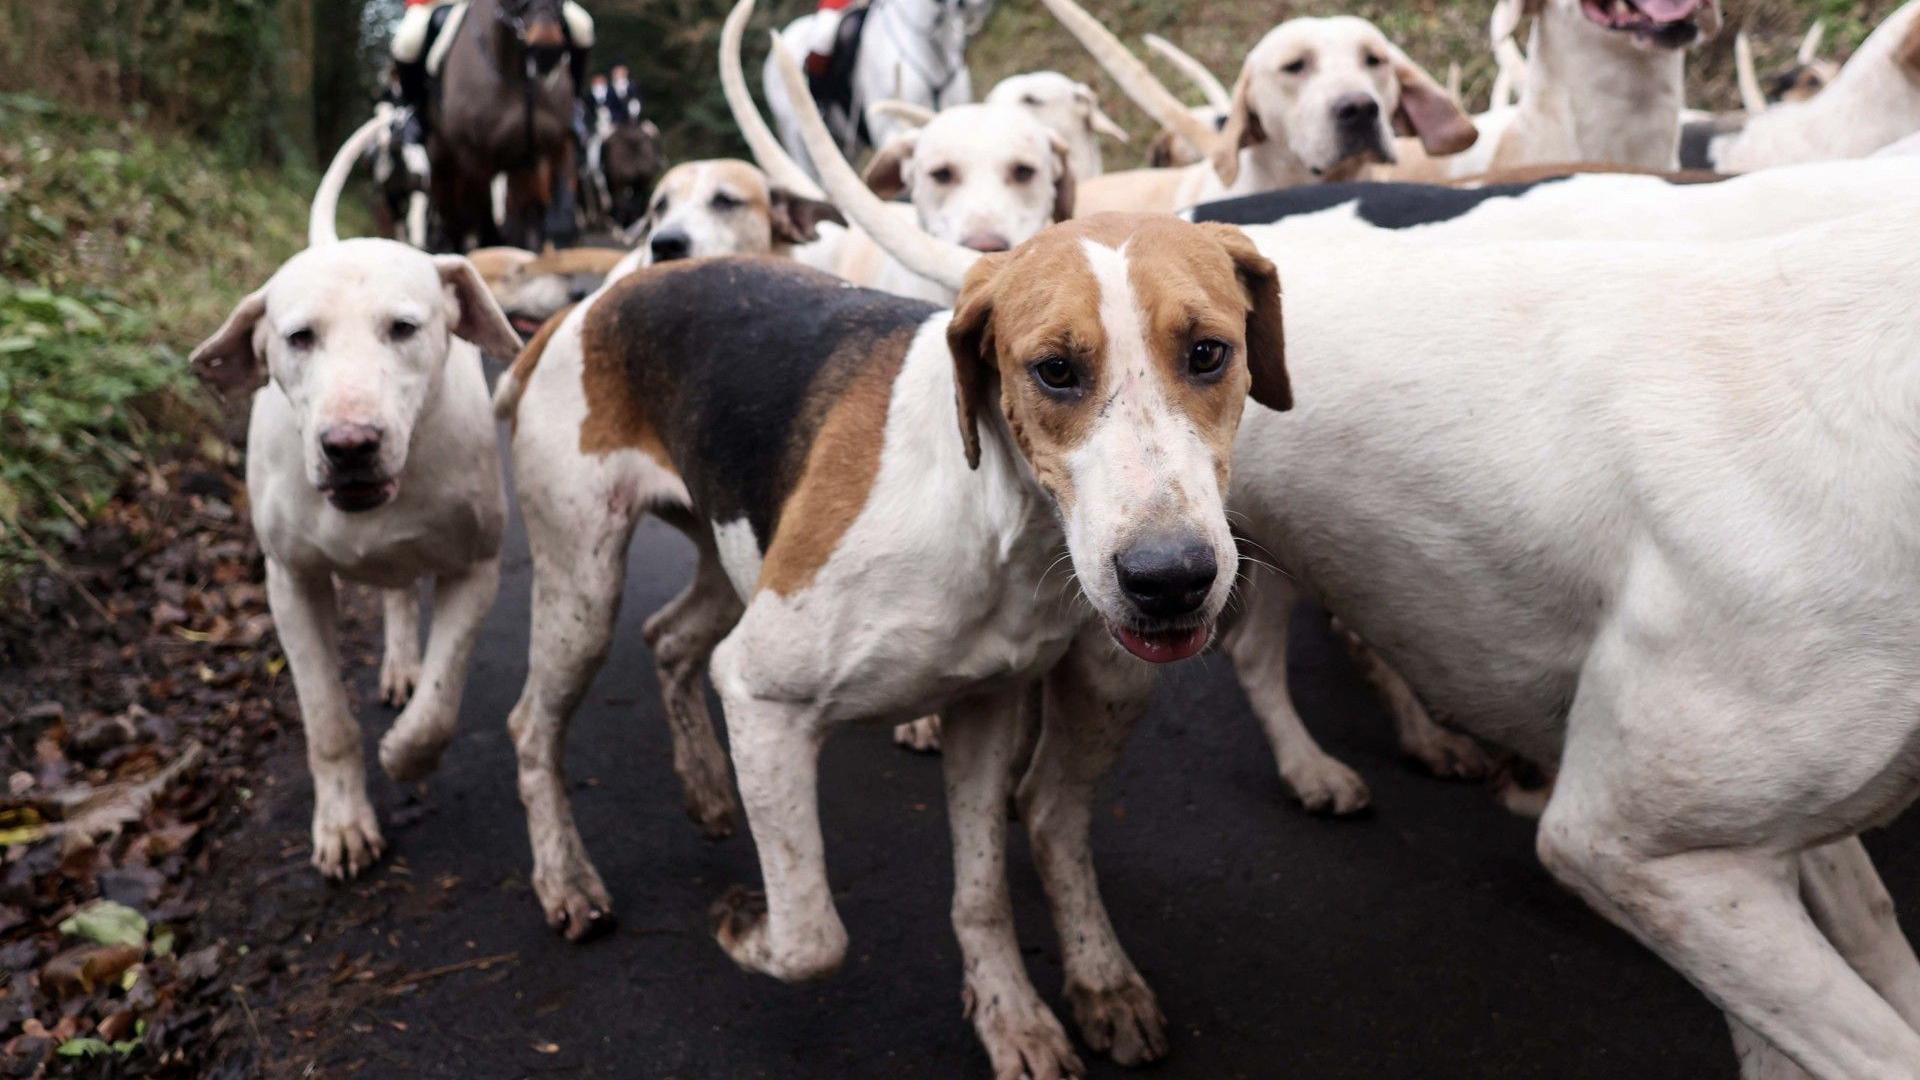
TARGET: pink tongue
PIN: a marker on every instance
(1666, 10)
(1163, 648)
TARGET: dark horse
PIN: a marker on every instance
(504, 105)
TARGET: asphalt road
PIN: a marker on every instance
(1420, 940)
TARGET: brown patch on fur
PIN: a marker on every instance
(495, 263)
(616, 419)
(1909, 51)
(841, 464)
(585, 260)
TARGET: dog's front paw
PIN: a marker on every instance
(412, 749)
(574, 899)
(922, 735)
(346, 838)
(1448, 755)
(712, 808)
(1325, 786)
(399, 676)
(1124, 1022)
(740, 926)
(1021, 1036)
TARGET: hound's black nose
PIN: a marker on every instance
(1356, 111)
(1167, 579)
(349, 446)
(670, 245)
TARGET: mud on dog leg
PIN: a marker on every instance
(400, 661)
(1021, 1035)
(791, 931)
(346, 836)
(683, 635)
(413, 747)
(1090, 703)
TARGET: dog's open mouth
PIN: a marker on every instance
(1668, 23)
(355, 494)
(1162, 646)
(527, 325)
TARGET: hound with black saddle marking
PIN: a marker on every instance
(899, 510)
(371, 458)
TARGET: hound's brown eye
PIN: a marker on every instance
(1055, 373)
(1295, 67)
(1207, 357)
(302, 339)
(1373, 60)
(402, 329)
(724, 202)
(941, 175)
(1030, 101)
(1021, 173)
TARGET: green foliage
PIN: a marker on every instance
(119, 248)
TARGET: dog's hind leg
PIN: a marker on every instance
(1021, 1035)
(579, 568)
(1258, 646)
(346, 836)
(460, 604)
(683, 635)
(1444, 753)
(400, 661)
(1092, 700)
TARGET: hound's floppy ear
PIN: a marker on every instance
(1909, 51)
(1266, 340)
(1508, 15)
(1097, 118)
(796, 218)
(1063, 184)
(478, 318)
(228, 360)
(1428, 111)
(970, 340)
(887, 172)
(1242, 129)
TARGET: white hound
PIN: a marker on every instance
(370, 458)
(1317, 100)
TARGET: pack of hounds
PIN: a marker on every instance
(1603, 466)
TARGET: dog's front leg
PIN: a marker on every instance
(346, 837)
(1022, 1036)
(460, 604)
(792, 931)
(1091, 701)
(400, 661)
(1258, 645)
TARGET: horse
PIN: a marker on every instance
(906, 50)
(504, 106)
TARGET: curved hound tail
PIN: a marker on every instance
(326, 201)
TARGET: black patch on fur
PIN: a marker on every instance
(1696, 139)
(1384, 205)
(737, 360)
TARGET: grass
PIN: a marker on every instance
(120, 246)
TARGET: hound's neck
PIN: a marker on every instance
(1614, 101)
(1269, 166)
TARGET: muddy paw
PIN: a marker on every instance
(922, 735)
(713, 811)
(409, 753)
(575, 901)
(740, 926)
(346, 839)
(1124, 1022)
(1325, 786)
(1021, 1037)
(1451, 756)
(398, 679)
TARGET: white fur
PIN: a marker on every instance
(1068, 108)
(1671, 550)
(1874, 101)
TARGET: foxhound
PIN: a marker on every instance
(1317, 100)
(825, 445)
(1874, 101)
(1671, 554)
(725, 207)
(985, 176)
(370, 458)
(1067, 107)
